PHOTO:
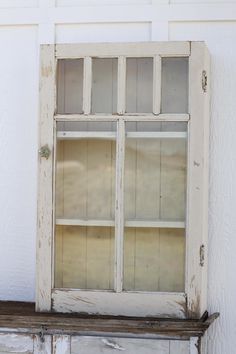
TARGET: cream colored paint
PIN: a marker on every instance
(19, 148)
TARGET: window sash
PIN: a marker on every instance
(193, 302)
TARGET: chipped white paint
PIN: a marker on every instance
(128, 304)
(42, 345)
(61, 344)
(212, 21)
(90, 345)
(112, 344)
(13, 343)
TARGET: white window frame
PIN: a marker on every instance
(191, 303)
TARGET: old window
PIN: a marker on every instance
(123, 179)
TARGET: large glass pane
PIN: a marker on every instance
(139, 85)
(85, 170)
(174, 92)
(85, 199)
(155, 190)
(70, 86)
(104, 85)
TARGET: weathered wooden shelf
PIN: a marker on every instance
(20, 317)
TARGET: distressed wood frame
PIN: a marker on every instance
(191, 303)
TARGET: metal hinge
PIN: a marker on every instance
(204, 81)
(202, 255)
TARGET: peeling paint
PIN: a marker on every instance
(112, 344)
(46, 71)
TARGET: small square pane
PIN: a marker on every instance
(70, 86)
(84, 257)
(154, 259)
(174, 91)
(139, 85)
(104, 85)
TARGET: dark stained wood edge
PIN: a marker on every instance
(20, 317)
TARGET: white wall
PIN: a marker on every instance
(24, 24)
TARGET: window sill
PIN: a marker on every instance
(20, 317)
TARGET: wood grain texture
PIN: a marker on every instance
(11, 343)
(42, 346)
(197, 194)
(61, 344)
(22, 318)
(140, 49)
(45, 200)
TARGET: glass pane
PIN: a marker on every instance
(155, 171)
(84, 257)
(174, 92)
(70, 86)
(154, 259)
(85, 170)
(155, 192)
(139, 85)
(85, 199)
(104, 85)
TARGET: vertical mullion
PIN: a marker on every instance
(87, 85)
(121, 85)
(156, 84)
(119, 209)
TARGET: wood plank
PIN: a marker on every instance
(66, 135)
(119, 209)
(126, 304)
(61, 344)
(198, 164)
(140, 49)
(20, 317)
(155, 224)
(174, 90)
(100, 258)
(12, 343)
(128, 223)
(88, 345)
(85, 222)
(121, 85)
(172, 260)
(147, 255)
(179, 347)
(104, 85)
(70, 86)
(45, 206)
(74, 169)
(156, 84)
(173, 178)
(87, 87)
(157, 135)
(127, 117)
(139, 85)
(69, 135)
(74, 257)
(42, 346)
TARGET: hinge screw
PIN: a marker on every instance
(202, 255)
(204, 81)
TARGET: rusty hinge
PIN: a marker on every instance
(202, 255)
(204, 81)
